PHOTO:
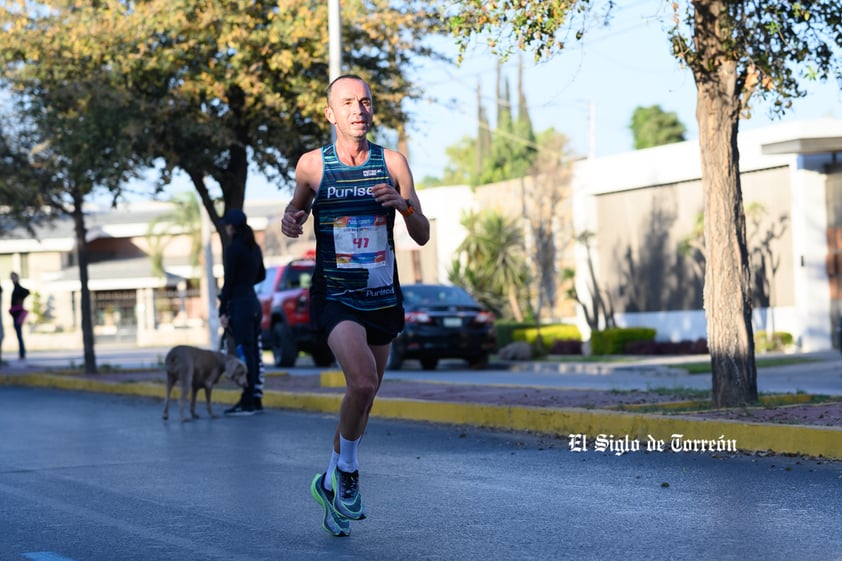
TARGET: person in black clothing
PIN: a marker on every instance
(239, 308)
(18, 313)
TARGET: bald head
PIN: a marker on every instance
(341, 79)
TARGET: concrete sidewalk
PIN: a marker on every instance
(822, 375)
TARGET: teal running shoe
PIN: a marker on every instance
(332, 522)
(346, 494)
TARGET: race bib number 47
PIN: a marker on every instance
(360, 241)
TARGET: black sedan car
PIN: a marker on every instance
(443, 322)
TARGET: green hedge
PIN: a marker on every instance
(506, 329)
(612, 341)
(549, 334)
(510, 331)
(780, 341)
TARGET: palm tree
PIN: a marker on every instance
(507, 271)
(185, 218)
(490, 262)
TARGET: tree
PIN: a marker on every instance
(527, 149)
(462, 163)
(185, 218)
(512, 147)
(68, 144)
(224, 86)
(482, 149)
(736, 49)
(765, 260)
(652, 126)
(507, 152)
(599, 312)
(543, 202)
(490, 263)
(20, 205)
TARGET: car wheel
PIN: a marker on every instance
(428, 363)
(478, 362)
(322, 356)
(395, 360)
(283, 345)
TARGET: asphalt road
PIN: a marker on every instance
(89, 477)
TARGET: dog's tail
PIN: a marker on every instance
(172, 360)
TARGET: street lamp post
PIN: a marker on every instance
(334, 31)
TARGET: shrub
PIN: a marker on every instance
(550, 334)
(613, 341)
(780, 340)
(505, 330)
(686, 347)
(566, 347)
(641, 348)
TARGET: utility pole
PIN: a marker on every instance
(334, 32)
(208, 287)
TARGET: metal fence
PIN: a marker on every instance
(115, 312)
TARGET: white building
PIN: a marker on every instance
(641, 204)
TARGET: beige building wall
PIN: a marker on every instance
(530, 199)
(640, 205)
(641, 229)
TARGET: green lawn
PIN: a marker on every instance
(704, 367)
(690, 367)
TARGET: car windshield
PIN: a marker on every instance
(299, 277)
(266, 285)
(436, 295)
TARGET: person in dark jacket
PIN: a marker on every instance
(239, 308)
(18, 312)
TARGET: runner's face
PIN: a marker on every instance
(350, 108)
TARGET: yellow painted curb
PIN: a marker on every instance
(614, 425)
(332, 379)
(143, 389)
(765, 400)
(785, 439)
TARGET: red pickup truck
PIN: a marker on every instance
(285, 299)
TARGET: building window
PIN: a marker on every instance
(114, 308)
(24, 266)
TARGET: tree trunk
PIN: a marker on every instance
(82, 257)
(727, 292)
(516, 312)
(232, 178)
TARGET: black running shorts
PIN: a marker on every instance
(381, 326)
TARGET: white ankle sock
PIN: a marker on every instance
(348, 454)
(334, 458)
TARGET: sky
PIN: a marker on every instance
(588, 92)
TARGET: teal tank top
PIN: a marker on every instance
(355, 248)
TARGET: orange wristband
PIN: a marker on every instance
(410, 210)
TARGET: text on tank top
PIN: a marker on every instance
(354, 233)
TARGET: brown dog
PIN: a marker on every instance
(198, 368)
